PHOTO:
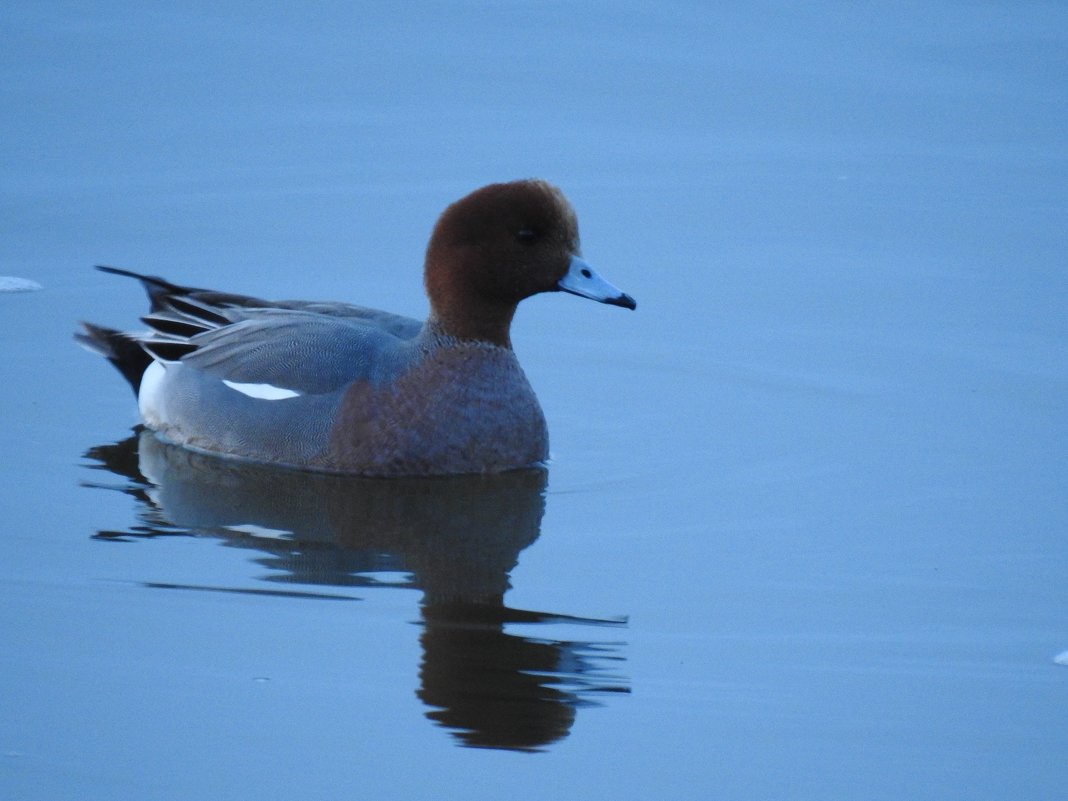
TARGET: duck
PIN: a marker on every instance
(340, 388)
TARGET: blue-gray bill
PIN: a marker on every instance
(582, 280)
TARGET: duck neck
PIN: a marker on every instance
(489, 323)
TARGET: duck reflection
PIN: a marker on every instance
(456, 539)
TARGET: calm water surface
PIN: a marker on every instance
(803, 534)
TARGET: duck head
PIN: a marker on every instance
(498, 245)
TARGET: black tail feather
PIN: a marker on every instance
(167, 350)
(162, 293)
(174, 325)
(126, 354)
(157, 288)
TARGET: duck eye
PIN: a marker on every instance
(526, 235)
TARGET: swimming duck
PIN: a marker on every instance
(341, 388)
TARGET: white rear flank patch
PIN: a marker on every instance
(148, 395)
(262, 391)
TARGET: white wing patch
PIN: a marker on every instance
(262, 391)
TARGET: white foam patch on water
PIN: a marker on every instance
(9, 283)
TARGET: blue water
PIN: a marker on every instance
(803, 533)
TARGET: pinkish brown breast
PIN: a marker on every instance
(464, 408)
